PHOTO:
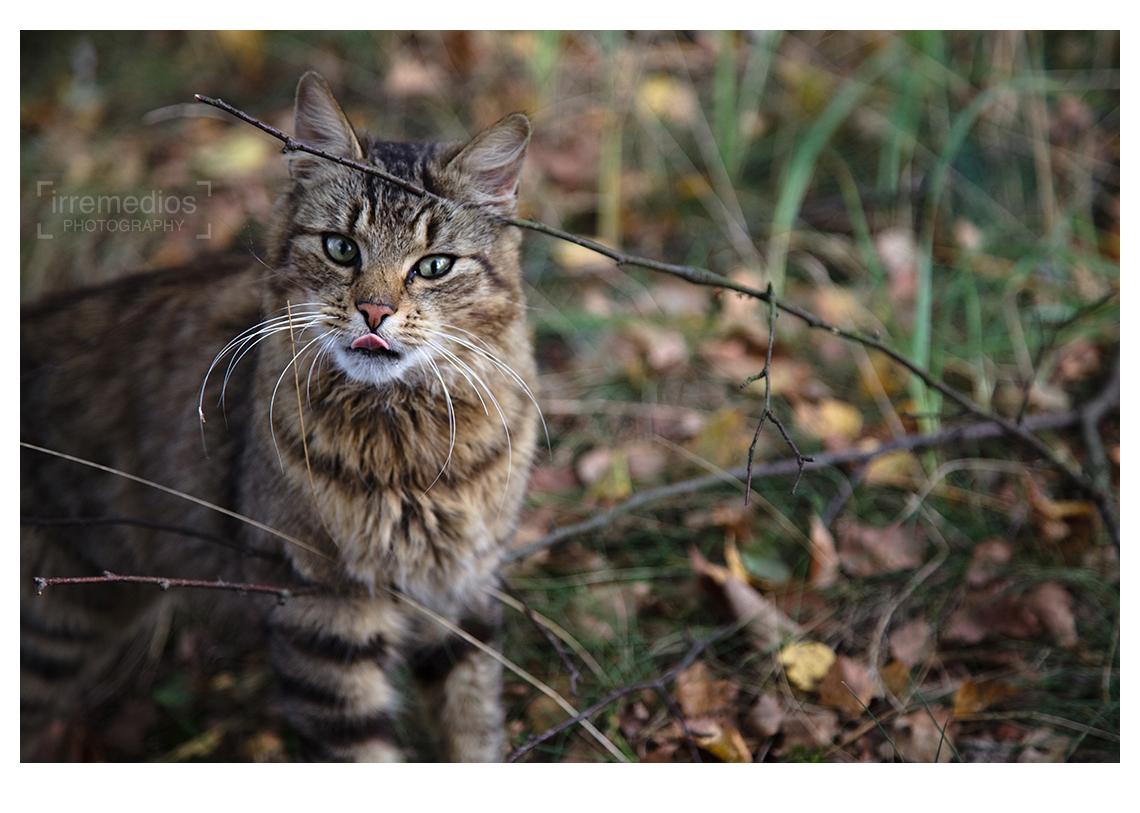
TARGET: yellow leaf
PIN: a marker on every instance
(806, 663)
(895, 468)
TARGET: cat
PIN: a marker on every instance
(362, 395)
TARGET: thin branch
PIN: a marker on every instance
(575, 675)
(163, 583)
(1108, 399)
(48, 522)
(766, 374)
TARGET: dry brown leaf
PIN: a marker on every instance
(806, 663)
(989, 561)
(698, 695)
(809, 728)
(766, 715)
(865, 550)
(824, 567)
(972, 697)
(896, 678)
(1053, 606)
(918, 738)
(991, 611)
(834, 422)
(765, 623)
(847, 686)
(912, 642)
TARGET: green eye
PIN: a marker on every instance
(340, 249)
(434, 265)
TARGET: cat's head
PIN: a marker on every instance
(397, 285)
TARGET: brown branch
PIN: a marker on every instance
(163, 583)
(768, 413)
(575, 675)
(701, 276)
(1108, 399)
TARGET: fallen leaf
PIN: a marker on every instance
(847, 686)
(834, 422)
(824, 567)
(898, 468)
(921, 737)
(911, 643)
(723, 742)
(806, 663)
(700, 695)
(988, 562)
(808, 727)
(1053, 606)
(766, 715)
(866, 550)
(972, 697)
(764, 622)
(896, 678)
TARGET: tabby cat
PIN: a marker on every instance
(368, 406)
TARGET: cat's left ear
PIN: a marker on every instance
(320, 123)
(492, 163)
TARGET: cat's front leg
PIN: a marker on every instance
(332, 656)
(461, 686)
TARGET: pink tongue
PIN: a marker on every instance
(369, 341)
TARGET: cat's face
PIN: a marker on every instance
(389, 285)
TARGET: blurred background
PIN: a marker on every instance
(954, 194)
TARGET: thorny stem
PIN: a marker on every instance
(701, 276)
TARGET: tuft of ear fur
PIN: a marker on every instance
(492, 163)
(320, 123)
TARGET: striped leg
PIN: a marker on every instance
(462, 689)
(331, 654)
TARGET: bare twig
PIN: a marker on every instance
(47, 522)
(575, 675)
(164, 583)
(768, 413)
(1108, 399)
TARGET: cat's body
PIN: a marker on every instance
(413, 387)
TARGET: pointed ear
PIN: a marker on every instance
(320, 123)
(491, 164)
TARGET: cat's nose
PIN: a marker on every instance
(374, 314)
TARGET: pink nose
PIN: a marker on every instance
(374, 314)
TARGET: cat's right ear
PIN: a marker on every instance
(320, 123)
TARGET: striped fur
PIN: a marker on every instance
(377, 408)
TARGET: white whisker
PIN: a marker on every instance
(450, 424)
(273, 397)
